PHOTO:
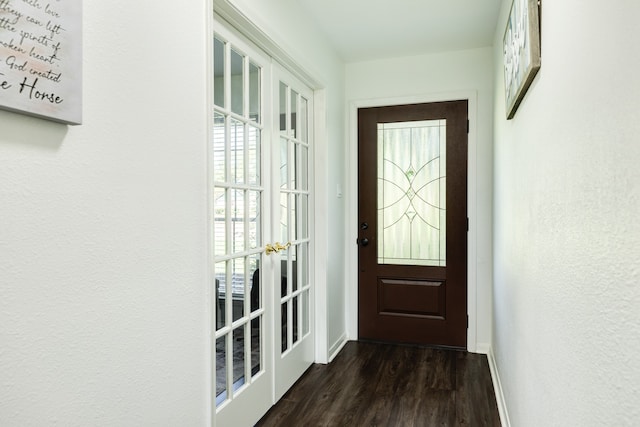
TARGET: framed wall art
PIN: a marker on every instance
(521, 49)
(41, 58)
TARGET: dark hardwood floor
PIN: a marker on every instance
(371, 384)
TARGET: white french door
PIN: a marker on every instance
(294, 343)
(243, 346)
(261, 233)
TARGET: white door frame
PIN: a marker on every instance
(351, 248)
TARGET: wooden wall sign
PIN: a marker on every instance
(41, 58)
(521, 48)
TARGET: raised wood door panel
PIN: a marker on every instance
(402, 300)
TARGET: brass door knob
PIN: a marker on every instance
(280, 247)
(276, 247)
(269, 249)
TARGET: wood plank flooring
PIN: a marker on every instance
(371, 384)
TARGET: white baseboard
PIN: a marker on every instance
(337, 346)
(497, 386)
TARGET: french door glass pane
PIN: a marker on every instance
(295, 163)
(302, 160)
(284, 326)
(237, 221)
(285, 284)
(284, 162)
(238, 356)
(238, 284)
(284, 217)
(218, 76)
(294, 218)
(412, 193)
(253, 155)
(237, 151)
(237, 82)
(221, 369)
(303, 263)
(219, 220)
(305, 313)
(254, 93)
(255, 294)
(221, 293)
(304, 122)
(296, 323)
(294, 114)
(303, 206)
(254, 220)
(283, 107)
(219, 149)
(293, 277)
(256, 354)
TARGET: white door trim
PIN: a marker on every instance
(351, 249)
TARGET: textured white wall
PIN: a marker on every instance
(430, 75)
(286, 23)
(567, 236)
(103, 266)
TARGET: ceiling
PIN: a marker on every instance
(372, 29)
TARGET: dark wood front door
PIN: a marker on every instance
(412, 207)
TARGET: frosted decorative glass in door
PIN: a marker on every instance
(412, 193)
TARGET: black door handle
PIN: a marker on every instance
(364, 241)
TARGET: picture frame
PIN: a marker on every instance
(521, 50)
(41, 59)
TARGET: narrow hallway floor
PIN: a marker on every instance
(372, 384)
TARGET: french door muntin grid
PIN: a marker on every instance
(294, 206)
(240, 129)
(237, 208)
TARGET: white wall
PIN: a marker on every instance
(103, 264)
(436, 76)
(286, 23)
(567, 236)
